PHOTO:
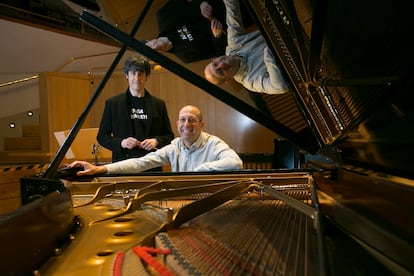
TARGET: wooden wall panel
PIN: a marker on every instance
(63, 98)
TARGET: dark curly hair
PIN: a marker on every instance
(137, 63)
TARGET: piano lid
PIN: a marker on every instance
(349, 65)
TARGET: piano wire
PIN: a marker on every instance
(248, 254)
(256, 253)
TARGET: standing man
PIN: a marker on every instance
(194, 151)
(134, 123)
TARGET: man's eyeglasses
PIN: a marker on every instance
(219, 71)
(190, 120)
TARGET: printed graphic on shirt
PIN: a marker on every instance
(185, 33)
(138, 113)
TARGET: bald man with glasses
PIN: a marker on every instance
(194, 151)
(248, 59)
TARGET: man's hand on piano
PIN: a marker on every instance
(88, 168)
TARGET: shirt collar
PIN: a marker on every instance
(243, 66)
(196, 145)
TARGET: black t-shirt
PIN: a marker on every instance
(139, 117)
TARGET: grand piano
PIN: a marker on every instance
(343, 208)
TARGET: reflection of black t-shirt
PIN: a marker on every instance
(190, 32)
(139, 117)
(181, 21)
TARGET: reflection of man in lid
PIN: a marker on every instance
(248, 59)
(192, 30)
(186, 33)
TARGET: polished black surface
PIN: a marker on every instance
(33, 233)
(350, 68)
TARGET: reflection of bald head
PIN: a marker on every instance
(211, 75)
(193, 110)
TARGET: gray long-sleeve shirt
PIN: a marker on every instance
(258, 70)
(207, 153)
